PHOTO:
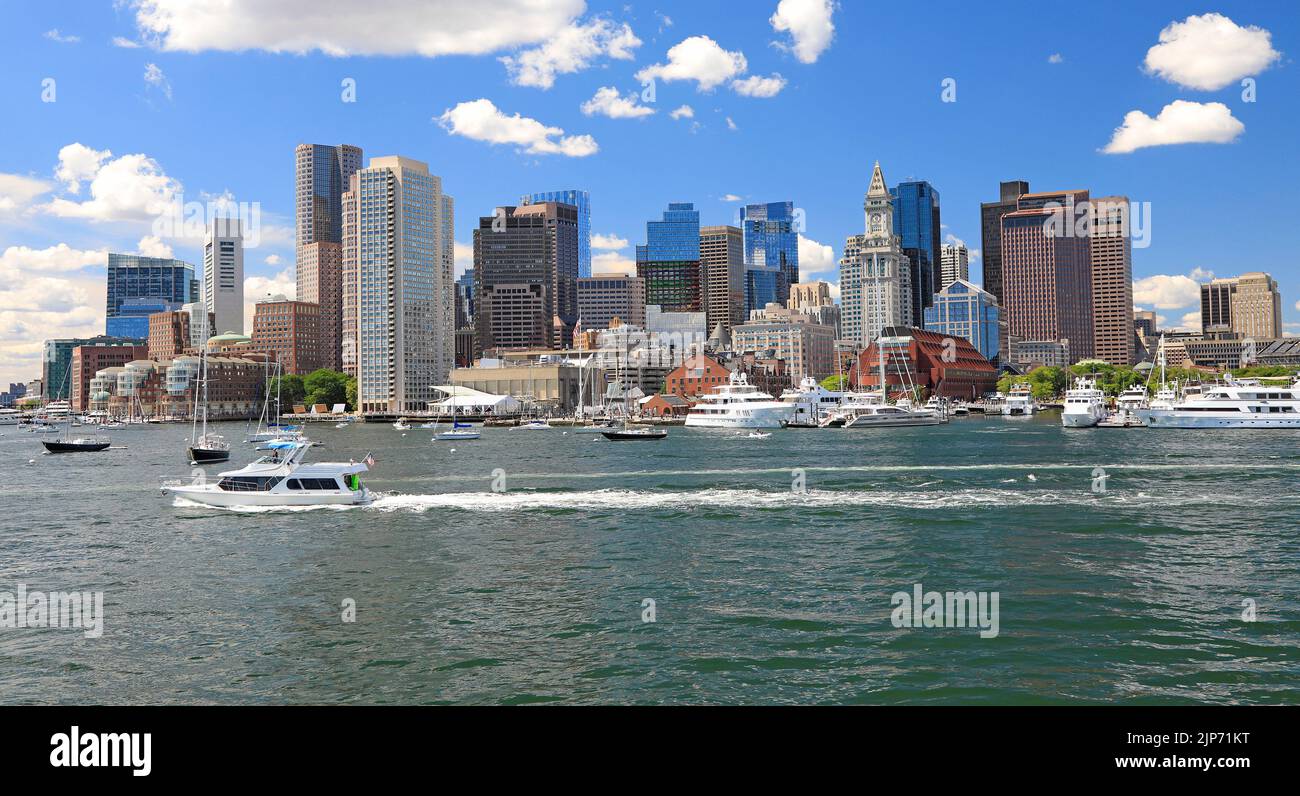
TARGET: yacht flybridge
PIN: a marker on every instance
(282, 478)
(739, 404)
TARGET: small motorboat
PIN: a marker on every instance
(76, 445)
(111, 425)
(402, 425)
(344, 424)
(535, 425)
(282, 478)
(759, 434)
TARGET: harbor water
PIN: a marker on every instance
(1134, 566)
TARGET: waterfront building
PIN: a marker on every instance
(1111, 254)
(954, 264)
(1224, 351)
(1046, 271)
(1249, 305)
(1144, 323)
(722, 266)
(140, 286)
(548, 387)
(223, 274)
(669, 262)
(963, 310)
(771, 249)
(290, 332)
(676, 334)
(991, 214)
(320, 282)
(604, 297)
(398, 331)
(580, 200)
(917, 223)
(926, 360)
(57, 359)
(698, 375)
(87, 360)
(172, 333)
(525, 277)
(806, 346)
(875, 275)
(1030, 354)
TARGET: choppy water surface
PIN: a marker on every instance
(763, 593)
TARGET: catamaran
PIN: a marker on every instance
(282, 478)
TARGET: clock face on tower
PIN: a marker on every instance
(877, 222)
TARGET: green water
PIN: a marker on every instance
(766, 589)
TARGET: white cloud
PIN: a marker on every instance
(17, 192)
(731, 125)
(1191, 321)
(153, 75)
(1056, 58)
(1166, 292)
(571, 50)
(125, 43)
(128, 188)
(612, 263)
(698, 58)
(258, 288)
(53, 292)
(608, 102)
(809, 24)
(464, 257)
(815, 257)
(480, 120)
(54, 35)
(599, 241)
(1179, 122)
(731, 197)
(272, 259)
(758, 86)
(1209, 52)
(1201, 274)
(153, 246)
(684, 112)
(395, 27)
(18, 262)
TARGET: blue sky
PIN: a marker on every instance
(162, 98)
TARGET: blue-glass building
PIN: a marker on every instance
(137, 285)
(669, 262)
(916, 221)
(964, 310)
(582, 201)
(771, 242)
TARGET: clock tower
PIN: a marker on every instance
(875, 274)
(879, 210)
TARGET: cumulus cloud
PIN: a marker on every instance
(58, 291)
(154, 246)
(1210, 51)
(809, 24)
(153, 76)
(758, 86)
(1191, 321)
(815, 257)
(683, 112)
(54, 35)
(731, 125)
(128, 188)
(272, 259)
(612, 263)
(19, 261)
(1179, 122)
(394, 27)
(599, 241)
(18, 192)
(260, 288)
(731, 197)
(1165, 292)
(571, 50)
(464, 257)
(481, 120)
(1056, 58)
(608, 102)
(125, 43)
(701, 59)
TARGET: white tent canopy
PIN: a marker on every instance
(469, 401)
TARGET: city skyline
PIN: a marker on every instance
(70, 187)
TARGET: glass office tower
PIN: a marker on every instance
(137, 284)
(963, 310)
(771, 244)
(916, 221)
(580, 200)
(669, 262)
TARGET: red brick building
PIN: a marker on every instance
(936, 363)
(89, 359)
(290, 330)
(697, 376)
(665, 406)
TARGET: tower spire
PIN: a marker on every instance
(877, 188)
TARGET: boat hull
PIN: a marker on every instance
(758, 418)
(453, 436)
(634, 436)
(1079, 420)
(1173, 419)
(210, 495)
(880, 421)
(54, 446)
(209, 455)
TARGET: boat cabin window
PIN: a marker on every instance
(313, 483)
(248, 483)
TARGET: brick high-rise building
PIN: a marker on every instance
(991, 214)
(722, 276)
(1112, 281)
(172, 333)
(320, 281)
(87, 360)
(290, 330)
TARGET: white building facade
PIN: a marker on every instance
(875, 276)
(223, 275)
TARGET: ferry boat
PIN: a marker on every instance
(738, 404)
(1020, 401)
(1244, 403)
(282, 478)
(811, 401)
(1085, 405)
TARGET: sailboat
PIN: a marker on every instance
(205, 448)
(273, 431)
(69, 444)
(459, 431)
(628, 433)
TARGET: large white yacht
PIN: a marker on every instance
(875, 414)
(1020, 401)
(281, 478)
(812, 402)
(1085, 405)
(9, 417)
(1240, 403)
(739, 404)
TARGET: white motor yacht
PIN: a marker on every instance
(739, 404)
(281, 478)
(1020, 401)
(1244, 403)
(882, 415)
(1085, 405)
(811, 401)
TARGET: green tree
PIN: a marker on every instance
(835, 383)
(290, 389)
(326, 386)
(352, 393)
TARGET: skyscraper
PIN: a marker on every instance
(722, 264)
(916, 220)
(875, 275)
(525, 277)
(1046, 272)
(669, 262)
(322, 174)
(139, 286)
(398, 334)
(580, 200)
(963, 310)
(1246, 306)
(954, 263)
(223, 274)
(771, 245)
(991, 214)
(603, 297)
(1112, 280)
